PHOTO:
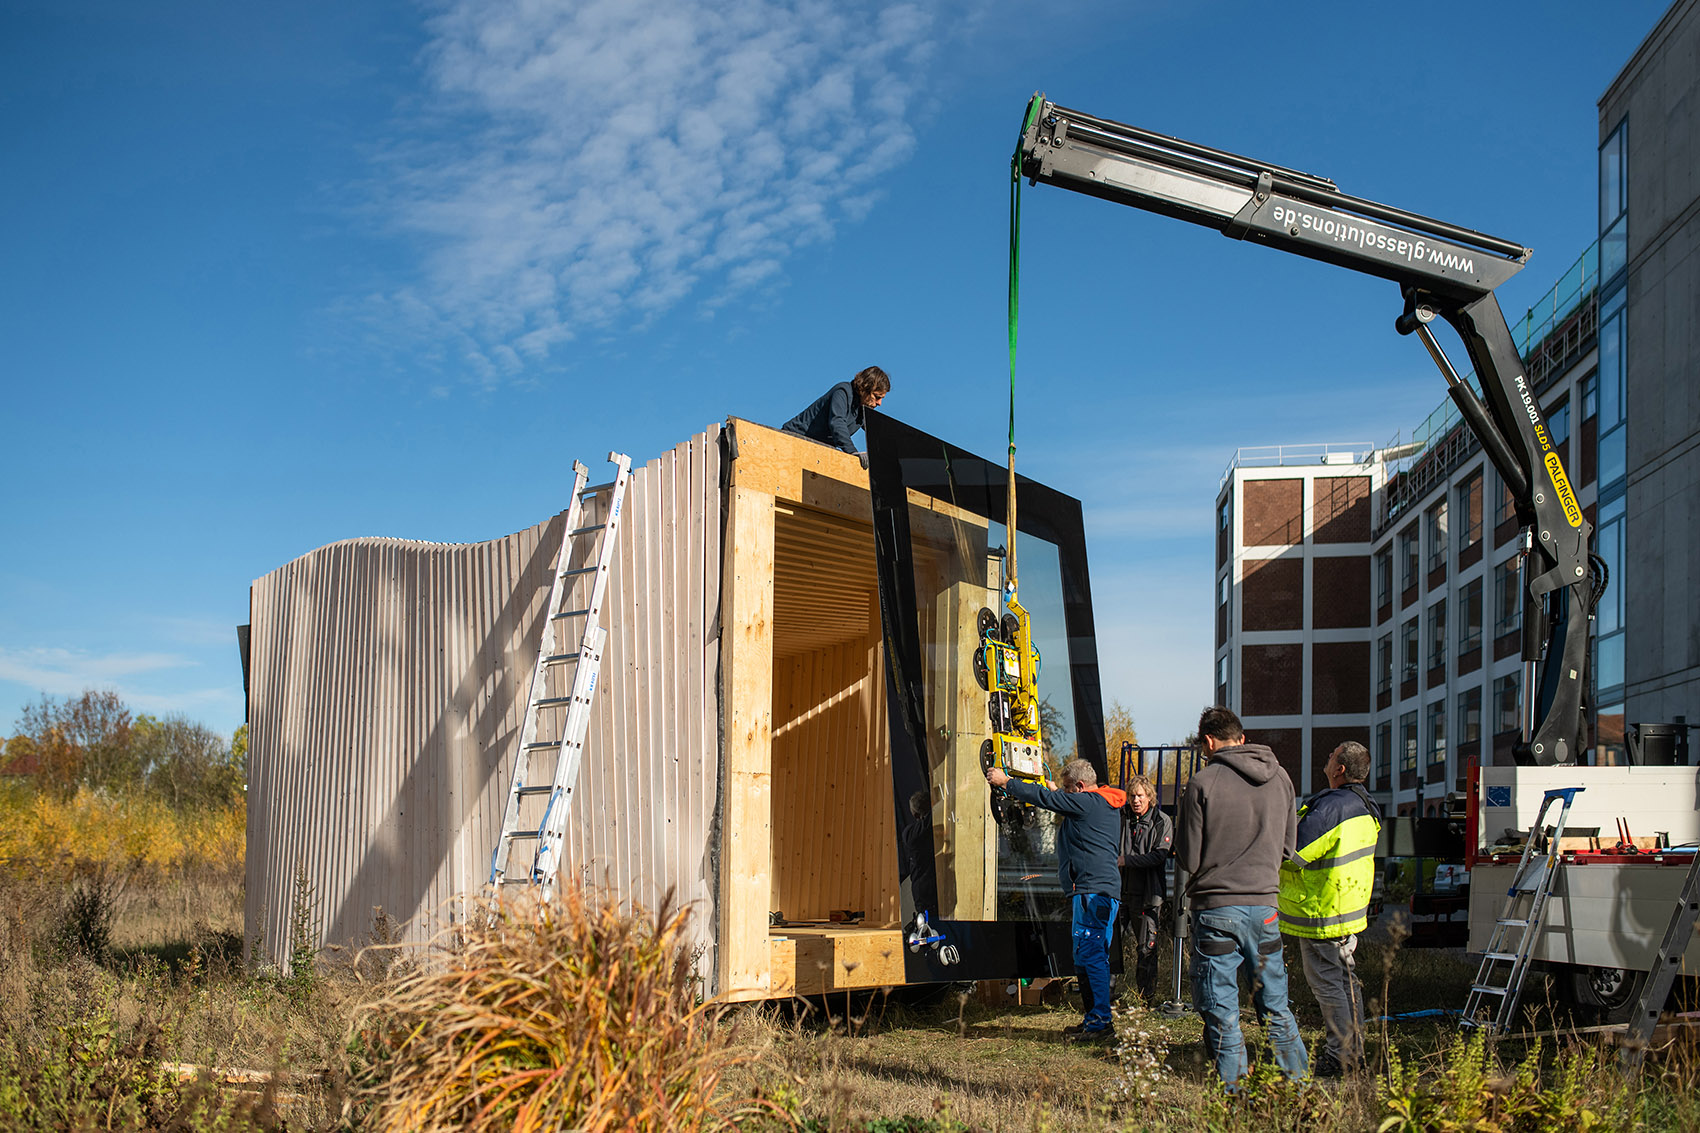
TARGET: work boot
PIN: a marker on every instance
(1082, 1035)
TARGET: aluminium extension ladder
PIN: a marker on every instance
(1662, 975)
(563, 685)
(1505, 963)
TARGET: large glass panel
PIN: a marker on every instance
(1611, 371)
(1613, 459)
(1470, 717)
(1614, 248)
(1508, 600)
(1470, 616)
(1437, 732)
(1437, 524)
(1612, 176)
(1408, 742)
(1611, 660)
(943, 554)
(1506, 714)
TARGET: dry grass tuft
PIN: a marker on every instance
(579, 1014)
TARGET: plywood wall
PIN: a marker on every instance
(834, 846)
(387, 684)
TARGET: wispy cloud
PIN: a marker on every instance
(134, 676)
(587, 166)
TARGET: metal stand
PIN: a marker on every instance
(1505, 963)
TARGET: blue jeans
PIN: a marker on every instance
(1222, 940)
(1094, 921)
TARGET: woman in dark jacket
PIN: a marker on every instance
(1146, 837)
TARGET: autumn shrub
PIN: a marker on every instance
(118, 829)
(579, 1014)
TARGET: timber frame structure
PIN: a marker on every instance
(739, 758)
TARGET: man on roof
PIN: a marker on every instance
(839, 412)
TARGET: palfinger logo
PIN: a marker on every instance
(1561, 485)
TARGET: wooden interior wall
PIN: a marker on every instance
(955, 579)
(834, 842)
(772, 473)
(388, 679)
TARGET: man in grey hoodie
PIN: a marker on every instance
(1237, 823)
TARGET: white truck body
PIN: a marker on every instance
(1607, 915)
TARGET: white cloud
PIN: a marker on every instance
(133, 676)
(591, 165)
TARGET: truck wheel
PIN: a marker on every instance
(1603, 995)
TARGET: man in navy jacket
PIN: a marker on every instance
(839, 412)
(1088, 842)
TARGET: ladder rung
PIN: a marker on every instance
(524, 879)
(570, 614)
(553, 701)
(595, 488)
(1511, 921)
(534, 790)
(581, 570)
(1511, 956)
(558, 658)
(517, 834)
(544, 745)
(1483, 989)
(587, 530)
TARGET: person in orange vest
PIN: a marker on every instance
(1088, 842)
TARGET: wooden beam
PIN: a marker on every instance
(836, 959)
(746, 846)
(798, 469)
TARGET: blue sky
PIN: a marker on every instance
(278, 275)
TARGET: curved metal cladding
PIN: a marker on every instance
(388, 684)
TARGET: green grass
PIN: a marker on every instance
(86, 1041)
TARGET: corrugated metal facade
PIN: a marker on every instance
(387, 685)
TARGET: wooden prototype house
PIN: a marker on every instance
(740, 751)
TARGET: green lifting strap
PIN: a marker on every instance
(1033, 105)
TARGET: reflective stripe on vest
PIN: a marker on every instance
(1325, 887)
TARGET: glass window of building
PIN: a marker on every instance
(1408, 741)
(1470, 720)
(1608, 615)
(1507, 506)
(1470, 512)
(1437, 732)
(1408, 557)
(1590, 396)
(1384, 577)
(1384, 664)
(1470, 616)
(1224, 513)
(1437, 634)
(1508, 598)
(1614, 202)
(1558, 426)
(1609, 746)
(1222, 680)
(1383, 753)
(1408, 660)
(1610, 396)
(1505, 715)
(1437, 523)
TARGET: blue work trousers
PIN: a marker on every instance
(1222, 940)
(1094, 921)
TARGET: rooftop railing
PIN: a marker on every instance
(1277, 456)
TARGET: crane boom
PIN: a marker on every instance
(1443, 270)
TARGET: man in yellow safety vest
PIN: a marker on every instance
(1324, 900)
